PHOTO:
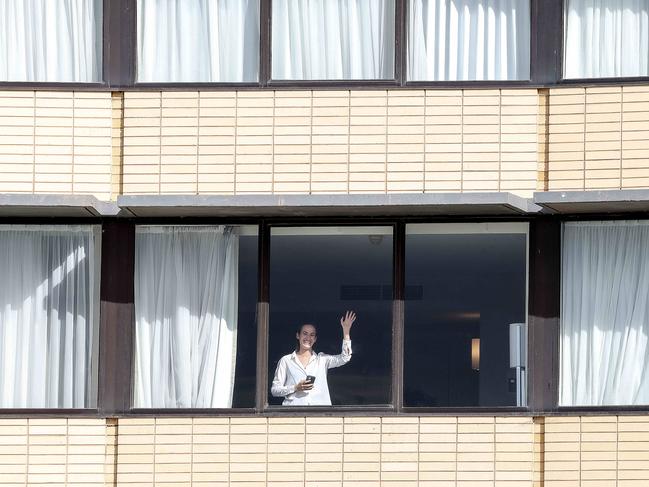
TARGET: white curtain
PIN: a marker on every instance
(186, 299)
(51, 40)
(197, 40)
(452, 40)
(333, 39)
(605, 314)
(606, 38)
(47, 316)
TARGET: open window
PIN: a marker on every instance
(318, 273)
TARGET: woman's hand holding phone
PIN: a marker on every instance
(304, 385)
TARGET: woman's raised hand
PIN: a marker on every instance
(346, 322)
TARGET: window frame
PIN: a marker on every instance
(119, 50)
(116, 320)
(263, 306)
(111, 24)
(560, 58)
(119, 47)
(464, 228)
(585, 409)
(395, 394)
(98, 368)
(537, 14)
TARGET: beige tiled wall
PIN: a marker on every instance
(597, 451)
(330, 141)
(281, 451)
(55, 142)
(53, 452)
(588, 451)
(324, 141)
(598, 138)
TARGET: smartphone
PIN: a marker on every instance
(310, 379)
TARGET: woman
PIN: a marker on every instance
(292, 371)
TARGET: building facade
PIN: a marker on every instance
(183, 184)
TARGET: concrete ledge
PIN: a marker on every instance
(54, 205)
(609, 201)
(403, 204)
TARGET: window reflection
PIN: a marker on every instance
(472, 286)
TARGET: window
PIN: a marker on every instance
(452, 40)
(51, 40)
(197, 41)
(606, 38)
(316, 275)
(332, 40)
(465, 315)
(195, 300)
(604, 335)
(48, 316)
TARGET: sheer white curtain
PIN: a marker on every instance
(48, 315)
(450, 40)
(606, 38)
(186, 299)
(197, 40)
(605, 313)
(50, 40)
(333, 39)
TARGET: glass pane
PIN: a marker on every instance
(316, 275)
(606, 38)
(51, 40)
(203, 41)
(605, 314)
(465, 285)
(49, 316)
(195, 301)
(472, 40)
(327, 40)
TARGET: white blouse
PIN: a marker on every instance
(290, 371)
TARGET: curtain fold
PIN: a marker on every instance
(51, 40)
(332, 39)
(451, 40)
(186, 300)
(47, 316)
(605, 314)
(198, 40)
(606, 38)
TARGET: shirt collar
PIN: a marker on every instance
(294, 357)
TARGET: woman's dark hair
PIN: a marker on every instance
(299, 332)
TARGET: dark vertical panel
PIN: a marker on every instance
(265, 17)
(120, 42)
(116, 317)
(544, 305)
(546, 42)
(263, 316)
(398, 314)
(400, 43)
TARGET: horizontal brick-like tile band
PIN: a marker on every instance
(56, 142)
(324, 141)
(598, 138)
(588, 451)
(308, 142)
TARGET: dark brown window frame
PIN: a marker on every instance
(120, 58)
(117, 320)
